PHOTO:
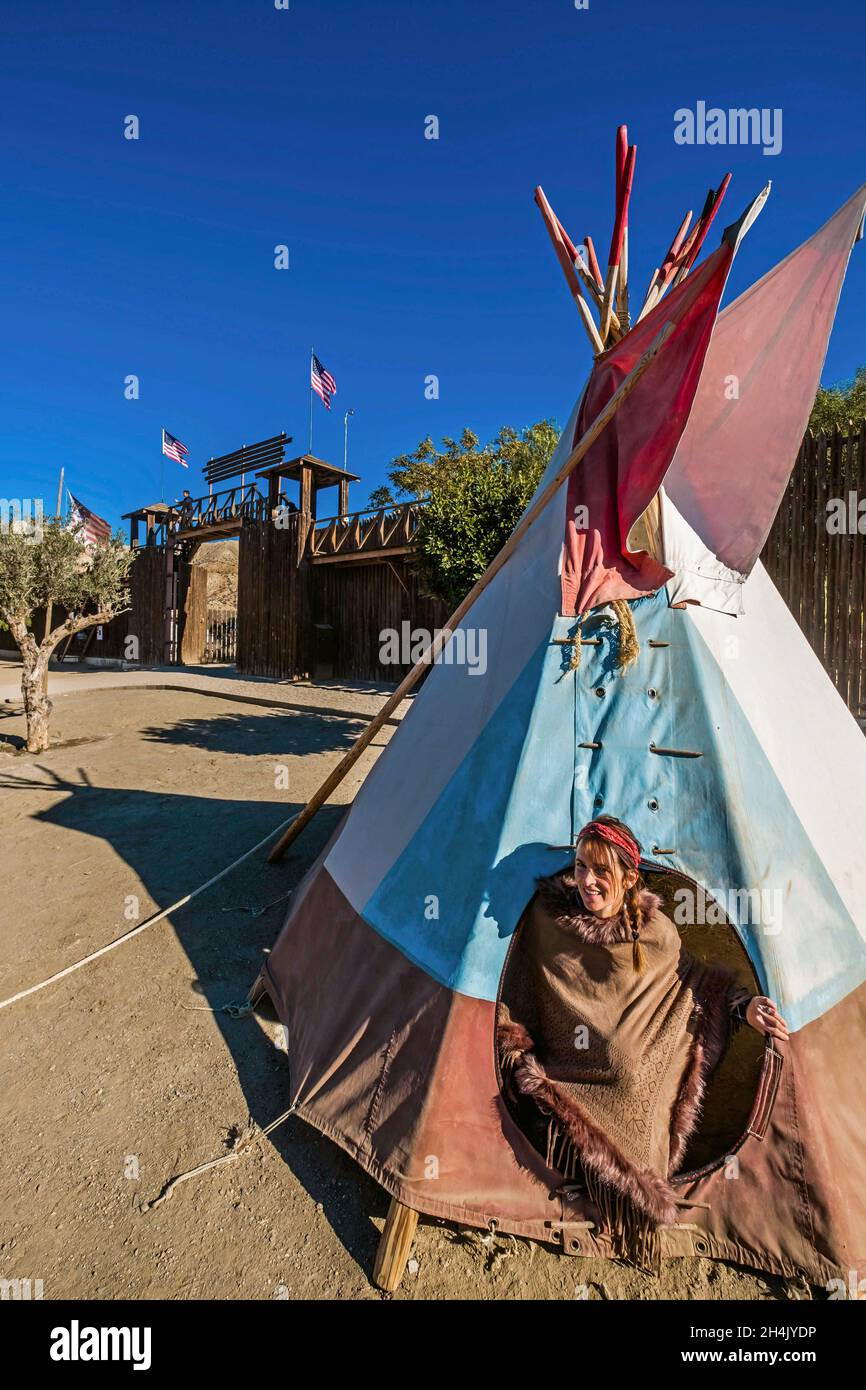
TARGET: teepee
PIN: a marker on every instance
(720, 740)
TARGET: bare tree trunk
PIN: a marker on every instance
(36, 656)
(37, 705)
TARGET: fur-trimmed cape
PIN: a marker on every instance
(612, 1061)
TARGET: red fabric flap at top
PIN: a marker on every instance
(622, 472)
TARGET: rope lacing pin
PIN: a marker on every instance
(490, 1239)
(575, 640)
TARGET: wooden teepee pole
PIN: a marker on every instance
(615, 254)
(566, 257)
(443, 635)
(662, 273)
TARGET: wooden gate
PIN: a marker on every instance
(221, 635)
(192, 614)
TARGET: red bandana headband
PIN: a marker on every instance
(613, 837)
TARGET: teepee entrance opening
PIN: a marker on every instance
(732, 1098)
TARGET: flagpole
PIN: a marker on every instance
(49, 605)
(162, 470)
(346, 439)
(311, 399)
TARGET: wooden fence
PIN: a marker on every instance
(273, 637)
(816, 555)
(299, 618)
(355, 605)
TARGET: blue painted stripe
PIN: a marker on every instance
(454, 896)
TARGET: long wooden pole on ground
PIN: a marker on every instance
(442, 636)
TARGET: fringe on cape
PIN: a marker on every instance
(633, 1203)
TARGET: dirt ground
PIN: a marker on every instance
(126, 1073)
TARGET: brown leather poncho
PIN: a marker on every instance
(613, 1063)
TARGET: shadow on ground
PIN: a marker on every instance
(175, 842)
(277, 732)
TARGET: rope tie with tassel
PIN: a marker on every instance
(628, 649)
(575, 635)
(628, 645)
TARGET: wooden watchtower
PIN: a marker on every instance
(313, 475)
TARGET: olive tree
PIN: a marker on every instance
(840, 405)
(54, 567)
(475, 495)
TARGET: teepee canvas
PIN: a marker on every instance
(724, 746)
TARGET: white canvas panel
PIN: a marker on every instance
(453, 705)
(813, 744)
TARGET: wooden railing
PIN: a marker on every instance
(367, 532)
(220, 510)
(233, 504)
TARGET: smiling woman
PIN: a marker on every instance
(608, 1030)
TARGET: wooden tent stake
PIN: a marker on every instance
(443, 635)
(394, 1246)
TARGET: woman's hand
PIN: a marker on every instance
(765, 1018)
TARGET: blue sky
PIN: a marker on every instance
(408, 256)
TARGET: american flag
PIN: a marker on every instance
(96, 531)
(174, 449)
(322, 382)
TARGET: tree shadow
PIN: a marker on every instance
(277, 732)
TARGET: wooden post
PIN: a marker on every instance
(442, 635)
(273, 493)
(306, 497)
(394, 1246)
(344, 497)
(170, 615)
